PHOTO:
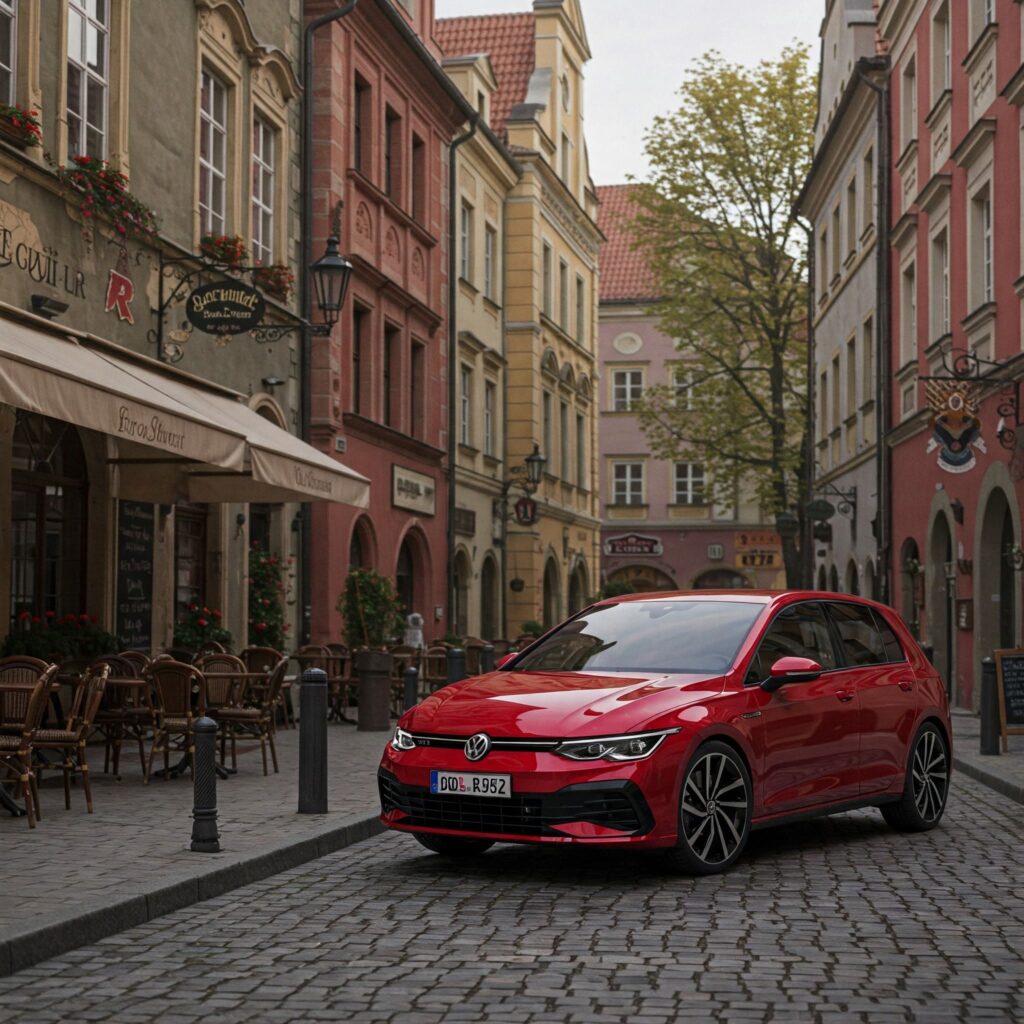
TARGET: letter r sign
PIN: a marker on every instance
(120, 292)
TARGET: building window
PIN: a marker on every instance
(189, 557)
(581, 309)
(546, 270)
(88, 50)
(823, 263)
(627, 389)
(837, 244)
(868, 189)
(867, 355)
(8, 48)
(360, 325)
(465, 405)
(418, 167)
(581, 452)
(823, 404)
(263, 163)
(213, 158)
(908, 104)
(983, 14)
(546, 422)
(940, 286)
(851, 378)
(851, 217)
(628, 483)
(392, 154)
(418, 389)
(490, 402)
(490, 248)
(682, 388)
(566, 157)
(390, 379)
(836, 412)
(565, 464)
(361, 127)
(563, 295)
(466, 242)
(688, 483)
(908, 315)
(981, 284)
(942, 65)
(987, 292)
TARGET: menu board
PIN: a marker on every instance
(135, 575)
(1010, 680)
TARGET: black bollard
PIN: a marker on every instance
(456, 664)
(929, 653)
(990, 731)
(205, 838)
(313, 742)
(410, 680)
(487, 658)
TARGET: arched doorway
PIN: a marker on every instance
(463, 580)
(852, 578)
(996, 577)
(721, 579)
(822, 578)
(405, 577)
(552, 594)
(870, 580)
(941, 581)
(489, 599)
(48, 517)
(911, 582)
(578, 589)
(833, 580)
(361, 547)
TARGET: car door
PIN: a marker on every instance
(881, 676)
(807, 732)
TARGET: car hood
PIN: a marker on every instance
(558, 705)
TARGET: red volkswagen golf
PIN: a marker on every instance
(678, 721)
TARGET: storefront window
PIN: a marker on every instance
(189, 557)
(404, 578)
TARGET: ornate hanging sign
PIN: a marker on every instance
(955, 425)
(526, 511)
(225, 307)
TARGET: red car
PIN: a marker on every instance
(678, 721)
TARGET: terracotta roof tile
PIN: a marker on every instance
(624, 271)
(508, 40)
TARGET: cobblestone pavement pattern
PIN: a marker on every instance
(831, 920)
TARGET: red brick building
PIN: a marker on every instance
(956, 285)
(384, 115)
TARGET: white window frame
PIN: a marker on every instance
(688, 484)
(213, 173)
(264, 189)
(78, 135)
(9, 19)
(581, 451)
(490, 248)
(628, 483)
(465, 405)
(466, 242)
(682, 388)
(627, 388)
(490, 394)
(565, 441)
(547, 270)
(987, 280)
(581, 307)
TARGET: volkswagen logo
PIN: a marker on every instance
(477, 746)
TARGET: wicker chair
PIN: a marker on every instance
(435, 668)
(173, 685)
(339, 681)
(27, 700)
(473, 648)
(258, 720)
(122, 712)
(501, 648)
(402, 657)
(19, 670)
(209, 647)
(138, 660)
(70, 741)
(265, 659)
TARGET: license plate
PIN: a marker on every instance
(470, 784)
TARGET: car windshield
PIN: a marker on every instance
(646, 636)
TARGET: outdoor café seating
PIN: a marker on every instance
(175, 713)
(23, 703)
(255, 717)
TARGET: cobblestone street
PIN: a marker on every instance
(836, 919)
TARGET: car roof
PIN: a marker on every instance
(763, 597)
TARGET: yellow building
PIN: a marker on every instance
(550, 299)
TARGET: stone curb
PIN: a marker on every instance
(42, 939)
(987, 778)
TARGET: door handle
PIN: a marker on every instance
(906, 685)
(844, 695)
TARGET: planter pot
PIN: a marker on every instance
(13, 136)
(373, 669)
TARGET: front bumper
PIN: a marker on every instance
(554, 800)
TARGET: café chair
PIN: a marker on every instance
(257, 720)
(174, 683)
(27, 700)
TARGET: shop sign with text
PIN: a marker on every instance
(633, 544)
(412, 490)
(225, 307)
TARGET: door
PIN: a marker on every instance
(807, 733)
(883, 680)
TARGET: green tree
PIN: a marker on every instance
(718, 227)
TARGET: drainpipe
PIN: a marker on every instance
(807, 539)
(453, 353)
(883, 331)
(305, 293)
(503, 599)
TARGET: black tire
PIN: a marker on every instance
(926, 786)
(713, 831)
(453, 846)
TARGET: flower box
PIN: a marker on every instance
(20, 127)
(227, 249)
(276, 280)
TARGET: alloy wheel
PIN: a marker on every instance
(715, 806)
(931, 776)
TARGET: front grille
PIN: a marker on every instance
(423, 739)
(617, 805)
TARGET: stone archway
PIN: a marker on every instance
(852, 578)
(463, 585)
(552, 594)
(997, 583)
(822, 578)
(579, 591)
(833, 580)
(870, 580)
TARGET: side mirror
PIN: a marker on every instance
(504, 660)
(791, 670)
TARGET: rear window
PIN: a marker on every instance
(893, 648)
(861, 640)
(646, 636)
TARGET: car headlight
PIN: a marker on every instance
(632, 747)
(402, 740)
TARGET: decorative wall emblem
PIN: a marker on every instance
(956, 428)
(364, 228)
(120, 292)
(392, 248)
(418, 266)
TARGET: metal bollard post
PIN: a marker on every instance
(205, 838)
(456, 664)
(410, 679)
(929, 652)
(313, 742)
(990, 731)
(487, 658)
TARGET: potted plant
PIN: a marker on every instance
(371, 613)
(267, 627)
(532, 628)
(276, 280)
(54, 638)
(227, 249)
(20, 127)
(200, 625)
(104, 193)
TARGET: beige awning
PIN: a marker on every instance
(177, 439)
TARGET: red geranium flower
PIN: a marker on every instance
(24, 616)
(83, 617)
(261, 626)
(201, 622)
(50, 613)
(36, 620)
(217, 614)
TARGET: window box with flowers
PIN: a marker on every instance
(103, 192)
(20, 127)
(276, 280)
(200, 625)
(226, 249)
(53, 638)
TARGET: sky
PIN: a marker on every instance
(642, 47)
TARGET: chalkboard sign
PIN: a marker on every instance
(1010, 677)
(135, 575)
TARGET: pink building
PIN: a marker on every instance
(658, 532)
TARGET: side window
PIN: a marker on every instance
(893, 649)
(799, 631)
(862, 643)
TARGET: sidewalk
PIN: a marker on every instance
(77, 877)
(1003, 773)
